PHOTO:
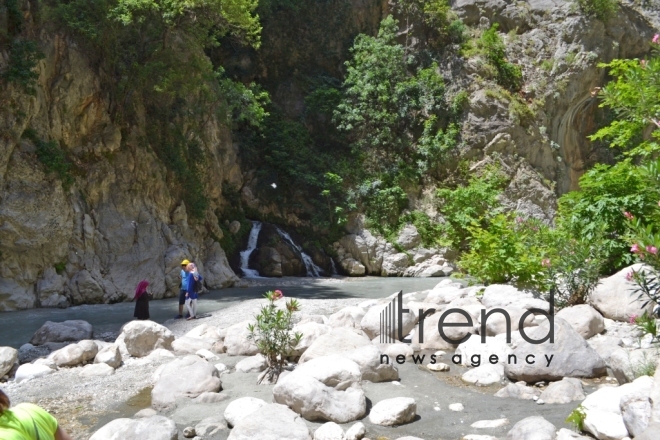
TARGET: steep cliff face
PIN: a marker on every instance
(119, 220)
(118, 223)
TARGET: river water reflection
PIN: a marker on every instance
(16, 328)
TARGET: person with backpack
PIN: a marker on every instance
(182, 287)
(193, 287)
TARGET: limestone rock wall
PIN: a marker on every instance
(118, 223)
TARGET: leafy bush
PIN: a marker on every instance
(607, 191)
(23, 58)
(627, 95)
(576, 418)
(603, 9)
(464, 206)
(508, 249)
(491, 44)
(646, 324)
(384, 204)
(573, 271)
(272, 334)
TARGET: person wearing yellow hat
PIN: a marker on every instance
(182, 288)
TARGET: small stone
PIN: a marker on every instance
(540, 402)
(189, 432)
(483, 424)
(456, 407)
(535, 398)
(438, 367)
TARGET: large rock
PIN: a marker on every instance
(271, 422)
(518, 390)
(310, 332)
(94, 370)
(67, 331)
(409, 237)
(242, 407)
(604, 417)
(496, 323)
(651, 433)
(152, 428)
(189, 345)
(109, 355)
(636, 411)
(326, 388)
(484, 375)
(393, 412)
(8, 357)
(329, 431)
(371, 323)
(584, 319)
(532, 428)
(655, 396)
(142, 337)
(506, 296)
(569, 356)
(336, 341)
(616, 299)
(75, 354)
(372, 369)
(564, 391)
(186, 377)
(475, 350)
(252, 364)
(31, 371)
(237, 342)
(206, 331)
(350, 316)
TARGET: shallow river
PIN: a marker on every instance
(16, 328)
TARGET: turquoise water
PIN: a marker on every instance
(16, 328)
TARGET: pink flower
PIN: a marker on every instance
(656, 39)
(634, 248)
(633, 319)
(629, 276)
(642, 63)
(519, 220)
(652, 250)
(277, 295)
(546, 262)
(628, 215)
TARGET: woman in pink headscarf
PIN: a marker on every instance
(142, 300)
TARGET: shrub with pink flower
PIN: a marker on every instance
(656, 39)
(628, 215)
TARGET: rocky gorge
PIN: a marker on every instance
(192, 380)
(121, 216)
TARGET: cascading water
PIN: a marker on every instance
(334, 268)
(312, 269)
(252, 245)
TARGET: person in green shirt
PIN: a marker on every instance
(26, 421)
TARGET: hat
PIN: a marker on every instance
(185, 262)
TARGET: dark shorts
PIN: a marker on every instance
(182, 297)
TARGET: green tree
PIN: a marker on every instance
(633, 96)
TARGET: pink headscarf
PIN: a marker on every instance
(141, 288)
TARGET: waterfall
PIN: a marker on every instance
(312, 269)
(245, 255)
(334, 268)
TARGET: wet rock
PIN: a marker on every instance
(67, 331)
(393, 412)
